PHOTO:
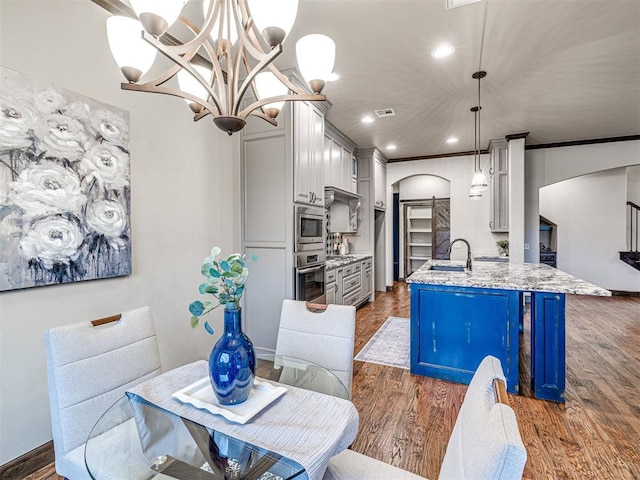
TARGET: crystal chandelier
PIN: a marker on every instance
(479, 180)
(231, 53)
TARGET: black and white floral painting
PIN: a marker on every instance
(64, 186)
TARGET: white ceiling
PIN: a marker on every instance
(563, 70)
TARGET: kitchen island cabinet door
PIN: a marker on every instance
(548, 358)
(454, 328)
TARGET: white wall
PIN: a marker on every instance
(423, 187)
(546, 166)
(516, 200)
(184, 197)
(469, 219)
(590, 217)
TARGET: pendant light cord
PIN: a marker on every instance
(479, 108)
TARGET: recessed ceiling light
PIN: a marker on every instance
(452, 140)
(333, 76)
(367, 119)
(442, 51)
(459, 3)
(391, 146)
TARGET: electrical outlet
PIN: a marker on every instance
(526, 246)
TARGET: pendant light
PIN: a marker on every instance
(479, 180)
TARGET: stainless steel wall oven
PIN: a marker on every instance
(310, 276)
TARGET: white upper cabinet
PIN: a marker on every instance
(380, 184)
(499, 185)
(308, 152)
(340, 161)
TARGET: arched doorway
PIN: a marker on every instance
(421, 221)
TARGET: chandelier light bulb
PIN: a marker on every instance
(156, 16)
(268, 85)
(316, 54)
(189, 84)
(274, 18)
(133, 55)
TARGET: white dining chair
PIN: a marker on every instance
(485, 443)
(89, 366)
(325, 337)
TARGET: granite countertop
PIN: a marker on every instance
(528, 277)
(335, 261)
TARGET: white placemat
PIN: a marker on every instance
(200, 394)
(305, 426)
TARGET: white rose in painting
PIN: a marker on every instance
(79, 110)
(49, 101)
(17, 118)
(55, 239)
(110, 126)
(47, 188)
(61, 136)
(107, 218)
(107, 164)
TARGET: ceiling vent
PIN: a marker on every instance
(385, 112)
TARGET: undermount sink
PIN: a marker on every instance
(447, 268)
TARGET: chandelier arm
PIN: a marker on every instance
(213, 54)
(266, 118)
(248, 37)
(251, 73)
(216, 68)
(201, 35)
(167, 51)
(173, 92)
(283, 78)
(181, 62)
(289, 97)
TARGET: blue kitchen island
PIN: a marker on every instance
(460, 316)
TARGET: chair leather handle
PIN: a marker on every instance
(102, 321)
(316, 306)
(500, 391)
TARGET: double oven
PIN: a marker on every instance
(310, 256)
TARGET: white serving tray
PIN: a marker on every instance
(200, 395)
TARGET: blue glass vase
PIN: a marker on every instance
(232, 362)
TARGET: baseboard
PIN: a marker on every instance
(623, 293)
(30, 462)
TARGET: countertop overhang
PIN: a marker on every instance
(527, 277)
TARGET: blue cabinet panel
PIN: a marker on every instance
(454, 328)
(548, 360)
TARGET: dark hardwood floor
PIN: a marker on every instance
(406, 419)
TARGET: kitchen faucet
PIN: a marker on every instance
(468, 250)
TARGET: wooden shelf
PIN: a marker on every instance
(419, 230)
(417, 244)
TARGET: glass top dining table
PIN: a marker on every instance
(137, 440)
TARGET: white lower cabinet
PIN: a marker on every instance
(350, 284)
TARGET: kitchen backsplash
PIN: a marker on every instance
(333, 240)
